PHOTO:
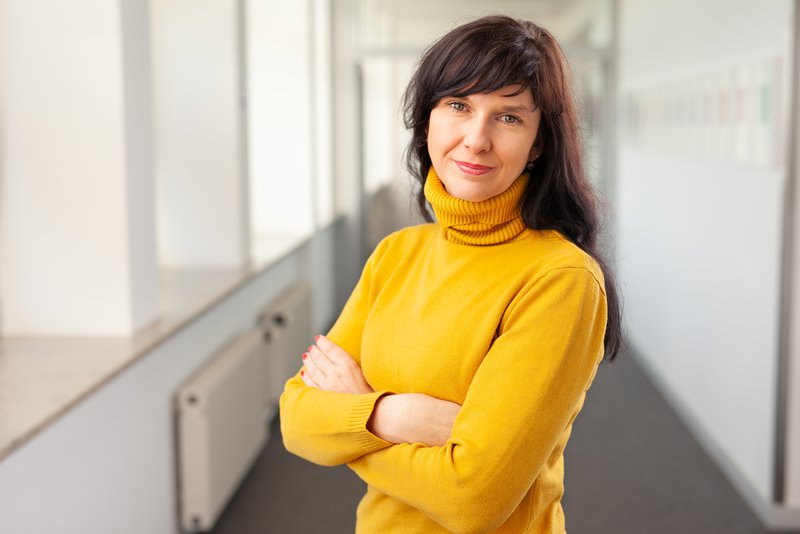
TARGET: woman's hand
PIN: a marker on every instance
(402, 418)
(413, 418)
(329, 367)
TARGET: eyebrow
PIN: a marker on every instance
(509, 108)
(517, 109)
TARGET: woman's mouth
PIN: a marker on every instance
(472, 168)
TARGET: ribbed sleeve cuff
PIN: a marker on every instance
(357, 419)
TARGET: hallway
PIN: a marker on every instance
(189, 191)
(631, 468)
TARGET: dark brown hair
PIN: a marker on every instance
(495, 52)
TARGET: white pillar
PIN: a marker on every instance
(77, 239)
(322, 121)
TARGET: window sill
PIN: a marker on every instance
(43, 377)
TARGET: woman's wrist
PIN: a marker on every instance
(413, 418)
(381, 422)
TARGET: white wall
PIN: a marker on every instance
(699, 237)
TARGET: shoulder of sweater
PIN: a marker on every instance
(553, 251)
(408, 235)
(399, 241)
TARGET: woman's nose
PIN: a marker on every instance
(476, 136)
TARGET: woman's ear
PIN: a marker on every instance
(536, 149)
(538, 146)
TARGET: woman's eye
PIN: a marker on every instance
(510, 119)
(457, 106)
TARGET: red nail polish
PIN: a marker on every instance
(305, 355)
(317, 338)
(302, 373)
(309, 348)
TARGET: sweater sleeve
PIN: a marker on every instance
(327, 427)
(521, 400)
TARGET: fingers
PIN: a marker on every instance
(320, 359)
(307, 378)
(330, 368)
(334, 352)
(317, 367)
(320, 368)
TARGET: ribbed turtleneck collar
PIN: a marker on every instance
(489, 222)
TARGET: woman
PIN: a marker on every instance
(451, 379)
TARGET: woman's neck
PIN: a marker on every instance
(492, 221)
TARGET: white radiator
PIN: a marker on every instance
(221, 428)
(287, 325)
(223, 412)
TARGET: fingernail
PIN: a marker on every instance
(302, 373)
(309, 348)
(305, 355)
(317, 338)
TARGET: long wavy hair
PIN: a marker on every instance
(488, 54)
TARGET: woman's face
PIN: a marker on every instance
(479, 144)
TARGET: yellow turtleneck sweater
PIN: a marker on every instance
(479, 310)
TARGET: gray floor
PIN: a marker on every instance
(631, 468)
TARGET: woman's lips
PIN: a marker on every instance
(472, 168)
